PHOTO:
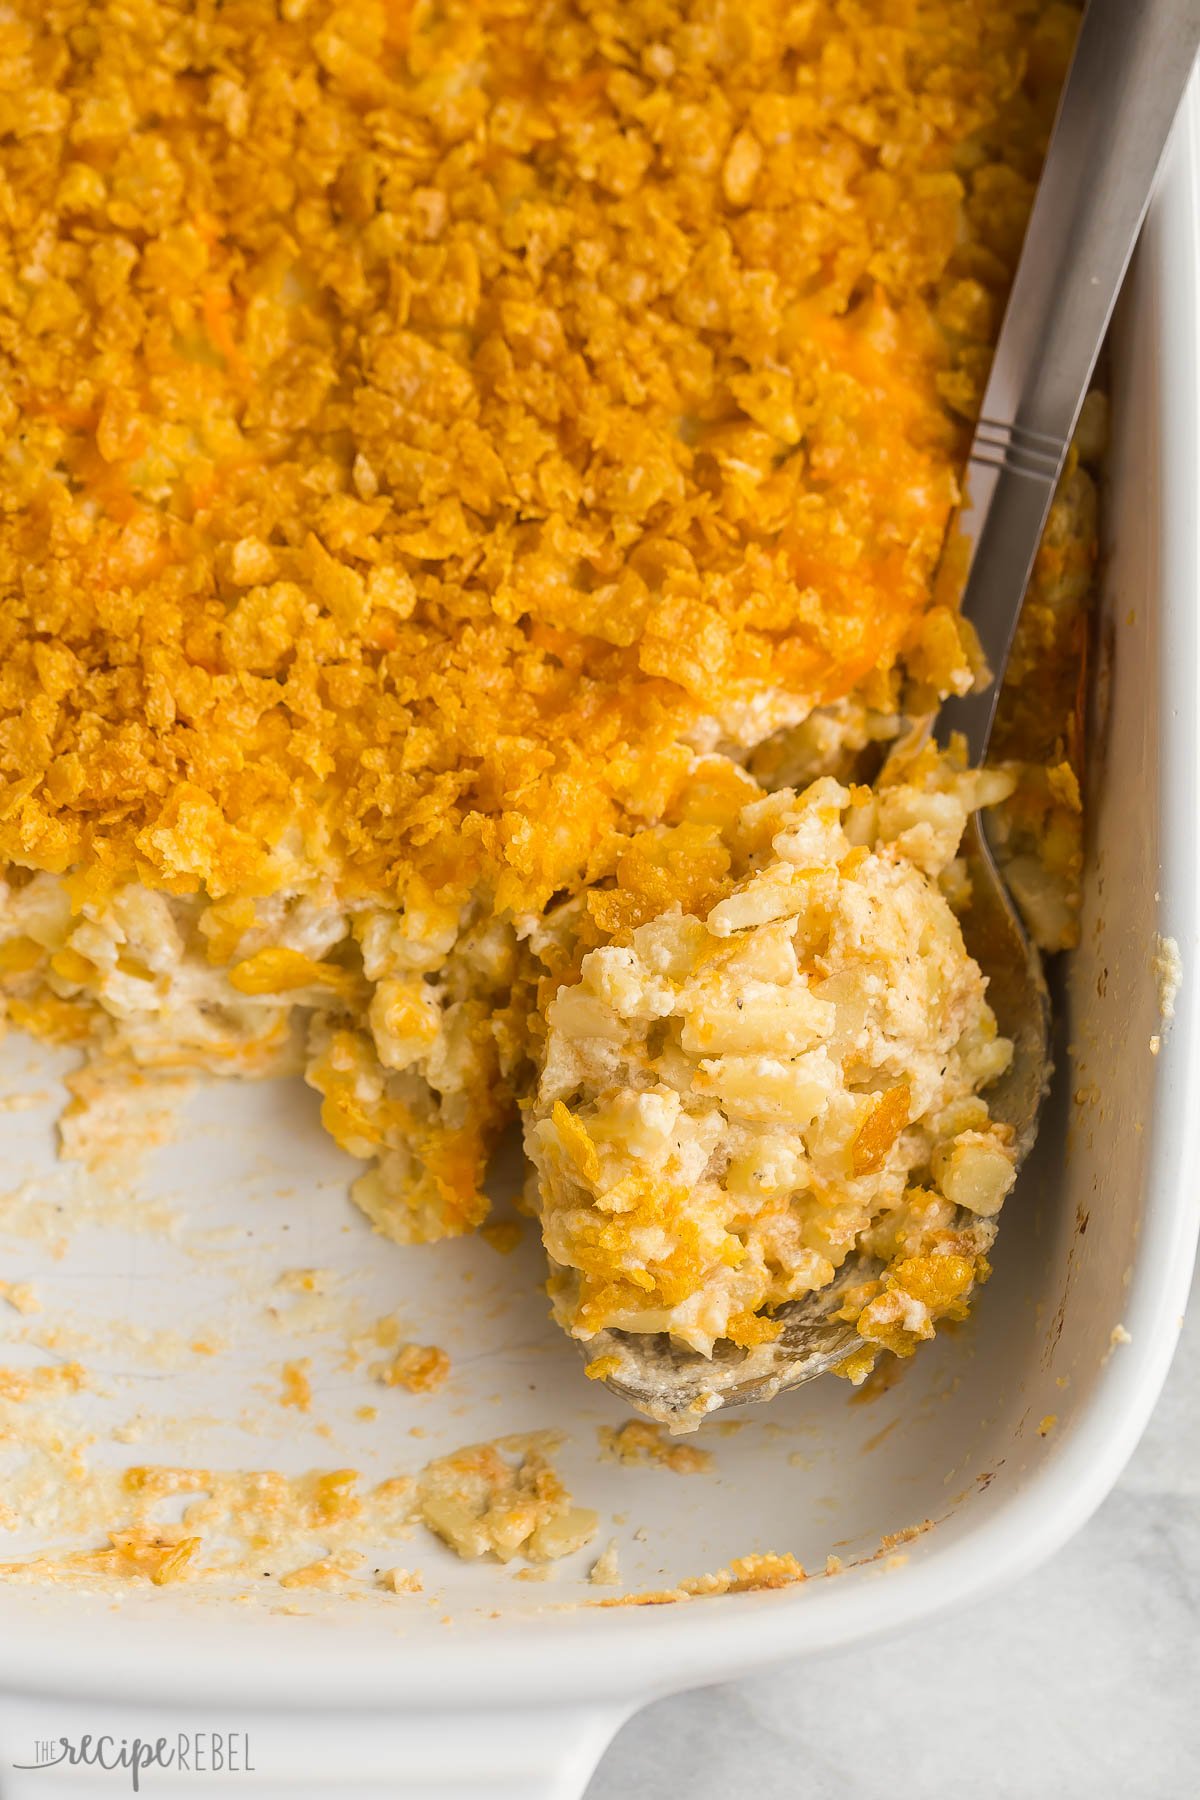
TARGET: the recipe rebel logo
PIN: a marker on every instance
(205, 1753)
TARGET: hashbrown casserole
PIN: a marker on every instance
(462, 462)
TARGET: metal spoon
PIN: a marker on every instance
(1127, 77)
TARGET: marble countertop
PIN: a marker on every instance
(1082, 1681)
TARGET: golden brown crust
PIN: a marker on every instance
(418, 418)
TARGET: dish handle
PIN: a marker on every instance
(55, 1749)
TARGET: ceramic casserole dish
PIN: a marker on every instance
(998, 1443)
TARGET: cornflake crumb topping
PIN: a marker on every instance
(421, 417)
(421, 1368)
(641, 1441)
(745, 1575)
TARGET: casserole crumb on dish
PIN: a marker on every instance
(500, 1500)
(458, 460)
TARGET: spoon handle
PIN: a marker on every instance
(1131, 66)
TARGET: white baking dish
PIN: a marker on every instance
(504, 1685)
